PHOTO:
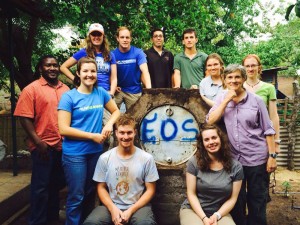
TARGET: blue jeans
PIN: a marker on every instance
(79, 171)
(253, 193)
(101, 216)
(46, 180)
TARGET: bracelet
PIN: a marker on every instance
(204, 218)
(219, 216)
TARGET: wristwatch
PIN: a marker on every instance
(273, 155)
(218, 215)
(278, 141)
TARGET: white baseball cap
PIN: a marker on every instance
(96, 27)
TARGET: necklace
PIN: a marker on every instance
(253, 84)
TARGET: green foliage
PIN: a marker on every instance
(283, 49)
(216, 22)
(220, 26)
(286, 188)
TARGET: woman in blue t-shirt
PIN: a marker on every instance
(80, 114)
(213, 181)
(98, 49)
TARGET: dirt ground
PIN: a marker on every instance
(284, 210)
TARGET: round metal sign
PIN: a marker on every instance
(169, 133)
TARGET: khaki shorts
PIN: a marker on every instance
(127, 98)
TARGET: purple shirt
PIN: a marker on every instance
(247, 124)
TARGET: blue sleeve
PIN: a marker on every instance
(113, 58)
(105, 95)
(141, 57)
(81, 53)
(66, 102)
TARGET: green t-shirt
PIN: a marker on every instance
(191, 71)
(267, 92)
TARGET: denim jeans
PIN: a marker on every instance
(101, 216)
(253, 193)
(46, 180)
(79, 171)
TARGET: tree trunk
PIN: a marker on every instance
(23, 42)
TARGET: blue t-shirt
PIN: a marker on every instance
(103, 68)
(128, 69)
(86, 115)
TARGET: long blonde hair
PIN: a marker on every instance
(104, 48)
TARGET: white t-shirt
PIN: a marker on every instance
(125, 178)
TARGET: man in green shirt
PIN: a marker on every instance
(189, 66)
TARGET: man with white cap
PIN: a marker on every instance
(132, 69)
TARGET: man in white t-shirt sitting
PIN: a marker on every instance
(126, 177)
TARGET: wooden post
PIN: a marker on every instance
(292, 125)
(286, 100)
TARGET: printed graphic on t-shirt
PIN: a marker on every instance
(84, 108)
(102, 66)
(122, 187)
(127, 61)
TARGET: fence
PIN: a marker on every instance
(6, 133)
(289, 115)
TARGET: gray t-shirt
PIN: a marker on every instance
(125, 178)
(213, 187)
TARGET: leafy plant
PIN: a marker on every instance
(286, 188)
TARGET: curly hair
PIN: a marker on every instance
(104, 48)
(224, 155)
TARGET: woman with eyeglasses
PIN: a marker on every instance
(97, 47)
(211, 85)
(265, 90)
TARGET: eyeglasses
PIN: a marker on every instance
(96, 34)
(158, 36)
(251, 66)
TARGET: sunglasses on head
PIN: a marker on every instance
(96, 34)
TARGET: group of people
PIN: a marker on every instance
(66, 130)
